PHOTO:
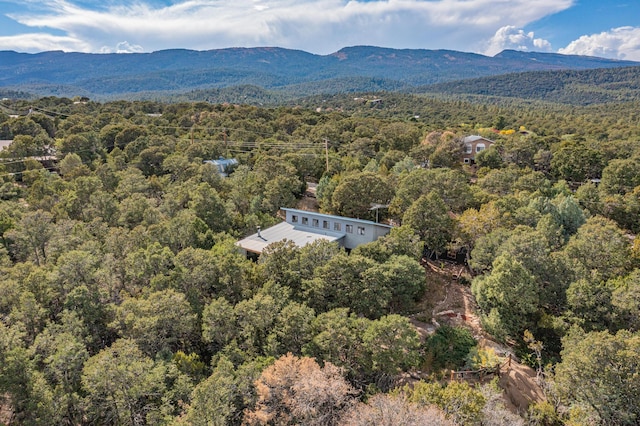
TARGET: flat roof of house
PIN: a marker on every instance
(330, 216)
(285, 231)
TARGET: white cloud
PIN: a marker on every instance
(39, 42)
(618, 43)
(122, 47)
(510, 37)
(319, 26)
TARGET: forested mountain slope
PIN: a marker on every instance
(568, 86)
(300, 73)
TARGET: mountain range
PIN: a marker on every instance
(294, 72)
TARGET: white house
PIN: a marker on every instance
(304, 227)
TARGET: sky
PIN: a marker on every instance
(604, 28)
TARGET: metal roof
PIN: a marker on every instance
(257, 242)
(225, 162)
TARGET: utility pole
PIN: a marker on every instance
(326, 152)
(224, 136)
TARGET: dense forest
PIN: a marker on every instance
(584, 87)
(124, 299)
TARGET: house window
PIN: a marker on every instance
(467, 161)
(349, 229)
(360, 230)
(305, 220)
(468, 149)
(294, 219)
(337, 226)
(315, 223)
(480, 147)
(325, 224)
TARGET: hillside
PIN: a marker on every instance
(583, 87)
(124, 298)
(291, 72)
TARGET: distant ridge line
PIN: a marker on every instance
(350, 69)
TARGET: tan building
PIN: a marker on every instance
(472, 146)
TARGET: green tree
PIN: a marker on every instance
(448, 347)
(451, 185)
(280, 191)
(212, 401)
(197, 275)
(255, 318)
(324, 191)
(26, 146)
(31, 396)
(571, 215)
(398, 135)
(162, 321)
(122, 385)
(429, 217)
(303, 263)
(126, 135)
(508, 297)
(143, 264)
(447, 154)
(608, 363)
(402, 241)
(33, 234)
(473, 224)
(209, 206)
(576, 161)
(85, 145)
(490, 158)
(63, 354)
(339, 283)
(501, 181)
(219, 325)
(625, 299)
(599, 250)
(460, 402)
(392, 343)
(355, 194)
(281, 262)
(337, 338)
(402, 277)
(291, 329)
(620, 176)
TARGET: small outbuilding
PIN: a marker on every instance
(224, 165)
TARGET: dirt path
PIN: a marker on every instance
(452, 303)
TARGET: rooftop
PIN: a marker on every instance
(474, 138)
(257, 242)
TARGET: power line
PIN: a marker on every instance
(233, 146)
(49, 169)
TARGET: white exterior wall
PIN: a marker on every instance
(356, 231)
